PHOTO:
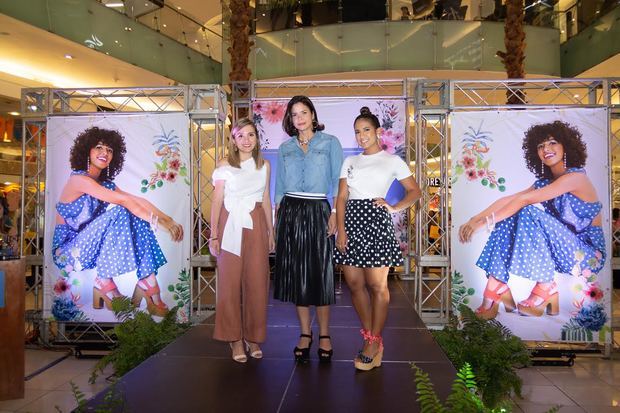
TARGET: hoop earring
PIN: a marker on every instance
(315, 124)
(87, 164)
(564, 160)
(542, 168)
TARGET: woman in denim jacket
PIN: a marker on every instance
(307, 173)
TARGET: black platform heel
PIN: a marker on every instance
(302, 355)
(325, 356)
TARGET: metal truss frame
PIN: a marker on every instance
(207, 109)
(433, 101)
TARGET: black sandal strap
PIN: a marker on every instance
(305, 335)
(325, 337)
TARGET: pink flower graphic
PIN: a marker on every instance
(586, 272)
(481, 173)
(174, 164)
(598, 255)
(61, 286)
(594, 292)
(258, 107)
(468, 162)
(471, 174)
(387, 145)
(171, 177)
(274, 112)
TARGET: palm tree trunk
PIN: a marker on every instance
(514, 56)
(240, 40)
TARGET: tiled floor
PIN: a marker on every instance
(591, 385)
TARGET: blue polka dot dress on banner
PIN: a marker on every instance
(536, 243)
(114, 241)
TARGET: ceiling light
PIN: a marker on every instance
(178, 7)
(196, 41)
(164, 25)
(115, 4)
(575, 96)
(33, 107)
(8, 183)
(14, 113)
(128, 29)
(68, 56)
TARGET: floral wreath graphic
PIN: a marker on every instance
(472, 161)
(170, 165)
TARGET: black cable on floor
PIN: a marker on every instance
(50, 365)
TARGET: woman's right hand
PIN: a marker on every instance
(341, 241)
(214, 247)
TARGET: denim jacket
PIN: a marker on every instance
(316, 171)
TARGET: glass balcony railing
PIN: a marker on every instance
(271, 16)
(167, 20)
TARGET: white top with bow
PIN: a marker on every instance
(243, 188)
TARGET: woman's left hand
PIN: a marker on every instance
(380, 202)
(332, 227)
(467, 230)
(271, 243)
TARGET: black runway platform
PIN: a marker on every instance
(196, 373)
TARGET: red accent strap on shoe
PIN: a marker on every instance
(493, 295)
(542, 293)
(106, 288)
(150, 290)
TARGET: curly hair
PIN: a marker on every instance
(88, 139)
(567, 135)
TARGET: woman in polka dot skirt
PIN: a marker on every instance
(114, 241)
(566, 237)
(366, 245)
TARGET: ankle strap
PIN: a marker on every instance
(306, 335)
(325, 337)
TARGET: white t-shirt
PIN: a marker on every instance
(370, 176)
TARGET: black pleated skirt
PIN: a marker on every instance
(304, 273)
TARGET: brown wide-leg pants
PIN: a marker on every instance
(243, 284)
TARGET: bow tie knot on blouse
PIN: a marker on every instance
(243, 188)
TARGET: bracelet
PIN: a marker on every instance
(333, 210)
(491, 222)
(213, 239)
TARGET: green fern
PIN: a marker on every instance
(138, 336)
(492, 351)
(464, 396)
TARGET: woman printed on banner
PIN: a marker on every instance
(113, 241)
(564, 237)
(241, 239)
(307, 173)
(366, 243)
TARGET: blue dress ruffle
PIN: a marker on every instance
(536, 243)
(112, 240)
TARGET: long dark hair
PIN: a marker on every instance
(287, 121)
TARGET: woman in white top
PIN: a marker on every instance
(366, 245)
(242, 239)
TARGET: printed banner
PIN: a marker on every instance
(338, 116)
(564, 240)
(88, 241)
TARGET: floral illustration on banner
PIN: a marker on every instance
(392, 141)
(472, 162)
(459, 292)
(589, 314)
(65, 305)
(181, 295)
(270, 112)
(170, 165)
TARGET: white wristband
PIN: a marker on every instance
(333, 210)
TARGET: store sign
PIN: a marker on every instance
(434, 182)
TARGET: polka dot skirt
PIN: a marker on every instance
(113, 241)
(537, 243)
(371, 238)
